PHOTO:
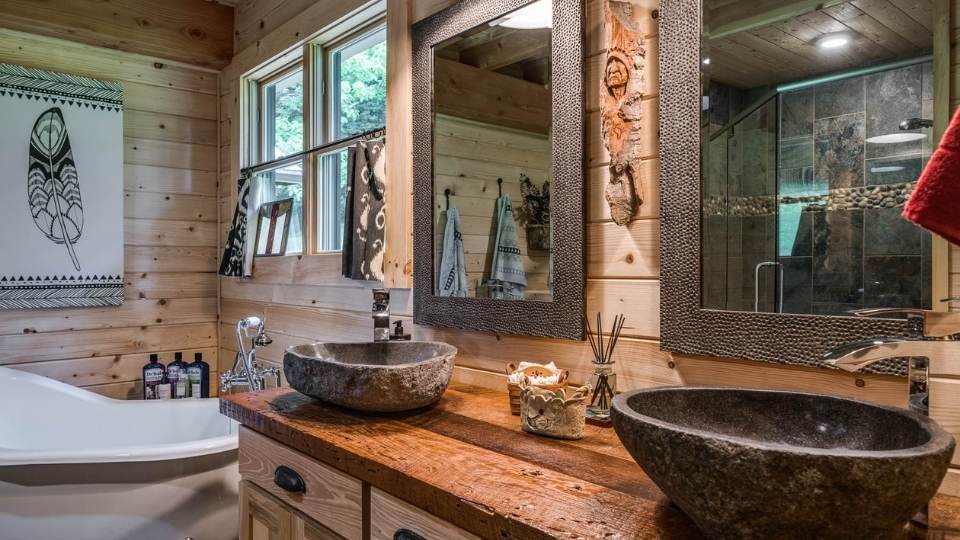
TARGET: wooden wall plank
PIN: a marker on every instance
(133, 313)
(187, 31)
(168, 127)
(169, 180)
(169, 206)
(108, 369)
(170, 259)
(157, 285)
(154, 232)
(24, 348)
(70, 57)
(169, 154)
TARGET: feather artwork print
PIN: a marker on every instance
(53, 187)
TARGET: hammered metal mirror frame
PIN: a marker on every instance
(685, 327)
(562, 317)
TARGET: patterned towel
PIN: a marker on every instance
(235, 262)
(453, 271)
(364, 230)
(507, 277)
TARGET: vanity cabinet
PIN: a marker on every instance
(286, 495)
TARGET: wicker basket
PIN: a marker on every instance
(514, 389)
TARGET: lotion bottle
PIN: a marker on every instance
(153, 374)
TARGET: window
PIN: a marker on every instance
(343, 86)
(357, 78)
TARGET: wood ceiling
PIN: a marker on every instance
(522, 54)
(754, 44)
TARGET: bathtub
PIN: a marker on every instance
(80, 466)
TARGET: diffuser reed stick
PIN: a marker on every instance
(604, 380)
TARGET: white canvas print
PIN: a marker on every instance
(61, 175)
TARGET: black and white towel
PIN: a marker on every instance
(365, 217)
(235, 262)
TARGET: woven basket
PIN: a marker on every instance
(514, 389)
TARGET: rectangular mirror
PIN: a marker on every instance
(791, 135)
(816, 124)
(498, 167)
(492, 161)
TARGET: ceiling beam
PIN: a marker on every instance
(742, 16)
(508, 49)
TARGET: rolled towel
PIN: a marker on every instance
(935, 201)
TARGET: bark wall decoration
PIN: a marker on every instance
(620, 108)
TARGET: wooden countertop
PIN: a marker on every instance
(467, 461)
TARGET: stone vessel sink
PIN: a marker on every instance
(768, 464)
(378, 377)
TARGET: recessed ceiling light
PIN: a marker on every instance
(536, 15)
(833, 41)
(894, 138)
(706, 61)
(887, 168)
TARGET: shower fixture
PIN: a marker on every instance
(915, 123)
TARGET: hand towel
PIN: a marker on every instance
(934, 202)
(235, 262)
(507, 278)
(453, 271)
(365, 224)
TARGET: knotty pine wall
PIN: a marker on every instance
(170, 184)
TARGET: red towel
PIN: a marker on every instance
(935, 202)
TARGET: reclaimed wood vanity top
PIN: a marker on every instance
(467, 461)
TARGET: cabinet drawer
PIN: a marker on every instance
(388, 515)
(328, 496)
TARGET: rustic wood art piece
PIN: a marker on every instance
(555, 413)
(61, 233)
(273, 226)
(620, 108)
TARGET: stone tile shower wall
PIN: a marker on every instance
(841, 239)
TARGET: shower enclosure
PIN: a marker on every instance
(803, 185)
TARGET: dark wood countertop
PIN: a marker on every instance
(467, 461)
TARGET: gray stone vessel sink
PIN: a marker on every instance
(378, 377)
(767, 464)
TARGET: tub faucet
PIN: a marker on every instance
(381, 315)
(246, 373)
(934, 334)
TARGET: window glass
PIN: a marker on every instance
(359, 73)
(331, 201)
(285, 183)
(282, 114)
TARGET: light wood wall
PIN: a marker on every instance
(170, 190)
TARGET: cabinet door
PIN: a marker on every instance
(262, 517)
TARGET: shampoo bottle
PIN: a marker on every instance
(199, 374)
(153, 374)
(177, 373)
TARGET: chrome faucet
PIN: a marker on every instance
(381, 315)
(246, 373)
(934, 334)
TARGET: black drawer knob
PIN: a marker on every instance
(289, 480)
(404, 534)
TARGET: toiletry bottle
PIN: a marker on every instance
(177, 373)
(199, 374)
(163, 389)
(153, 374)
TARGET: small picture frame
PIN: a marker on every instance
(273, 224)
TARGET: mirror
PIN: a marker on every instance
(498, 163)
(492, 158)
(815, 126)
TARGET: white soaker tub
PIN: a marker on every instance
(80, 466)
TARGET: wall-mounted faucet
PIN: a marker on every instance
(245, 372)
(381, 315)
(934, 335)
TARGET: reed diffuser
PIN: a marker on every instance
(604, 381)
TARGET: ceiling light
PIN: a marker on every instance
(887, 168)
(833, 41)
(536, 15)
(894, 138)
(706, 61)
